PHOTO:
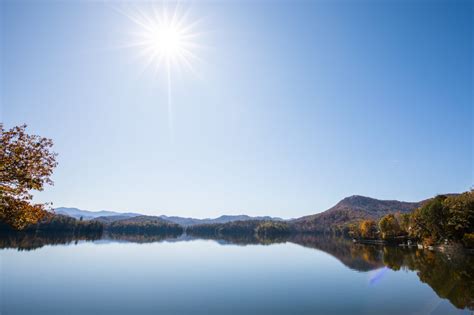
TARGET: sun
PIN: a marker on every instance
(166, 41)
(165, 37)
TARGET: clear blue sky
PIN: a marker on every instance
(294, 105)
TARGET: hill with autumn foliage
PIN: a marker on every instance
(351, 209)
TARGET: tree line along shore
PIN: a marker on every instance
(438, 221)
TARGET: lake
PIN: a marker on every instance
(299, 275)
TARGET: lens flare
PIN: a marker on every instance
(164, 36)
(166, 39)
(377, 275)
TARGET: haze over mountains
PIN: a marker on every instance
(89, 215)
(349, 209)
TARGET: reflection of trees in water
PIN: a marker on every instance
(450, 276)
(31, 241)
(140, 238)
(36, 240)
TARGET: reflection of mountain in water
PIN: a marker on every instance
(450, 276)
(242, 239)
(355, 256)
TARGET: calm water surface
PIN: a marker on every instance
(305, 275)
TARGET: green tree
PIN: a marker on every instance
(26, 164)
(430, 221)
(461, 214)
(272, 228)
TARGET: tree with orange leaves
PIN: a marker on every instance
(368, 229)
(26, 164)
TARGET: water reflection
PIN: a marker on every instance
(355, 256)
(32, 241)
(140, 238)
(451, 276)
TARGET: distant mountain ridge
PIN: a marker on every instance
(221, 219)
(89, 215)
(106, 216)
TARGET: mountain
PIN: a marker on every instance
(348, 210)
(221, 219)
(352, 209)
(112, 216)
(89, 215)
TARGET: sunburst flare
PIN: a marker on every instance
(166, 39)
